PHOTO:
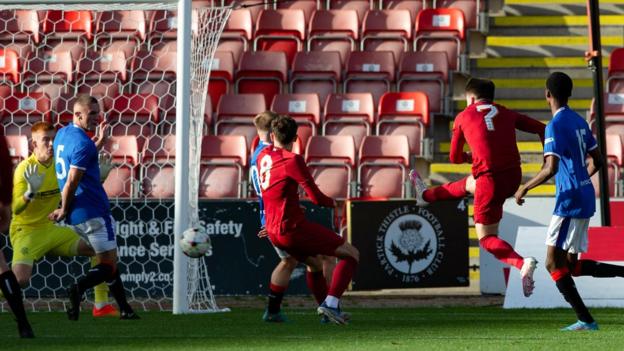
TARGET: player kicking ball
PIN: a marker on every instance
(32, 234)
(85, 206)
(280, 277)
(568, 142)
(490, 131)
(281, 174)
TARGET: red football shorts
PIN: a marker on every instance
(308, 239)
(492, 189)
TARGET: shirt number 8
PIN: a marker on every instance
(265, 171)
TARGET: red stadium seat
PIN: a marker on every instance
(316, 72)
(359, 6)
(613, 107)
(134, 114)
(163, 26)
(383, 166)
(158, 167)
(223, 162)
(441, 30)
(124, 152)
(253, 7)
(370, 72)
(18, 148)
(334, 30)
(237, 33)
(120, 25)
(304, 108)
(413, 6)
(235, 114)
(56, 66)
(349, 114)
(426, 72)
(615, 148)
(615, 75)
(221, 75)
(19, 26)
(10, 66)
(280, 31)
(470, 9)
(262, 72)
(614, 176)
(157, 65)
(307, 6)
(331, 160)
(387, 30)
(21, 110)
(405, 114)
(68, 27)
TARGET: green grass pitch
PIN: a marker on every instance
(449, 328)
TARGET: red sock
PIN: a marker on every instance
(559, 273)
(502, 250)
(342, 276)
(448, 191)
(317, 285)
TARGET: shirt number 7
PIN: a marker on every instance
(489, 123)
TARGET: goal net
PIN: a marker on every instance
(148, 63)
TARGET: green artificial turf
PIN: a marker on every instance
(456, 328)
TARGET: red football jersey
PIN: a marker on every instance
(281, 173)
(490, 131)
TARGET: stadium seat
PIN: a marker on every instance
(120, 27)
(331, 160)
(67, 27)
(167, 123)
(18, 148)
(280, 31)
(10, 66)
(316, 72)
(382, 171)
(19, 26)
(334, 30)
(613, 176)
(413, 6)
(359, 6)
(615, 75)
(21, 110)
(304, 108)
(163, 26)
(124, 154)
(105, 92)
(405, 114)
(158, 167)
(223, 162)
(441, 30)
(470, 9)
(237, 33)
(349, 114)
(387, 30)
(426, 72)
(154, 73)
(134, 114)
(370, 72)
(613, 107)
(235, 113)
(615, 148)
(253, 7)
(307, 6)
(221, 75)
(262, 72)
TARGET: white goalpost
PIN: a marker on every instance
(180, 283)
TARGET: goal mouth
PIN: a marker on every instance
(148, 63)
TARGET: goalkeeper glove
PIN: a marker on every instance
(104, 161)
(33, 179)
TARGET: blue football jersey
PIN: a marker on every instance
(569, 138)
(255, 177)
(74, 149)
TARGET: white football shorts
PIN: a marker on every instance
(568, 234)
(99, 233)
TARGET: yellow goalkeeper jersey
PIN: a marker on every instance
(46, 200)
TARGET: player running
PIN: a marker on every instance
(281, 173)
(85, 206)
(280, 278)
(35, 195)
(9, 286)
(568, 142)
(490, 131)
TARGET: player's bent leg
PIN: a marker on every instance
(22, 273)
(329, 264)
(315, 278)
(557, 266)
(349, 258)
(449, 191)
(280, 279)
(13, 294)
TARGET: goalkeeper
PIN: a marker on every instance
(35, 195)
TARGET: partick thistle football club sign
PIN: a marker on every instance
(402, 245)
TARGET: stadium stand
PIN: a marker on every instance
(383, 166)
(223, 162)
(263, 72)
(615, 73)
(332, 162)
(387, 30)
(334, 30)
(316, 72)
(370, 72)
(405, 113)
(235, 114)
(280, 31)
(157, 167)
(124, 153)
(441, 30)
(304, 108)
(349, 114)
(427, 72)
(18, 148)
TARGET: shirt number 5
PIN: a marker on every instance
(489, 123)
(265, 171)
(61, 170)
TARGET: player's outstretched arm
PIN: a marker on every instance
(530, 125)
(298, 170)
(67, 194)
(549, 169)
